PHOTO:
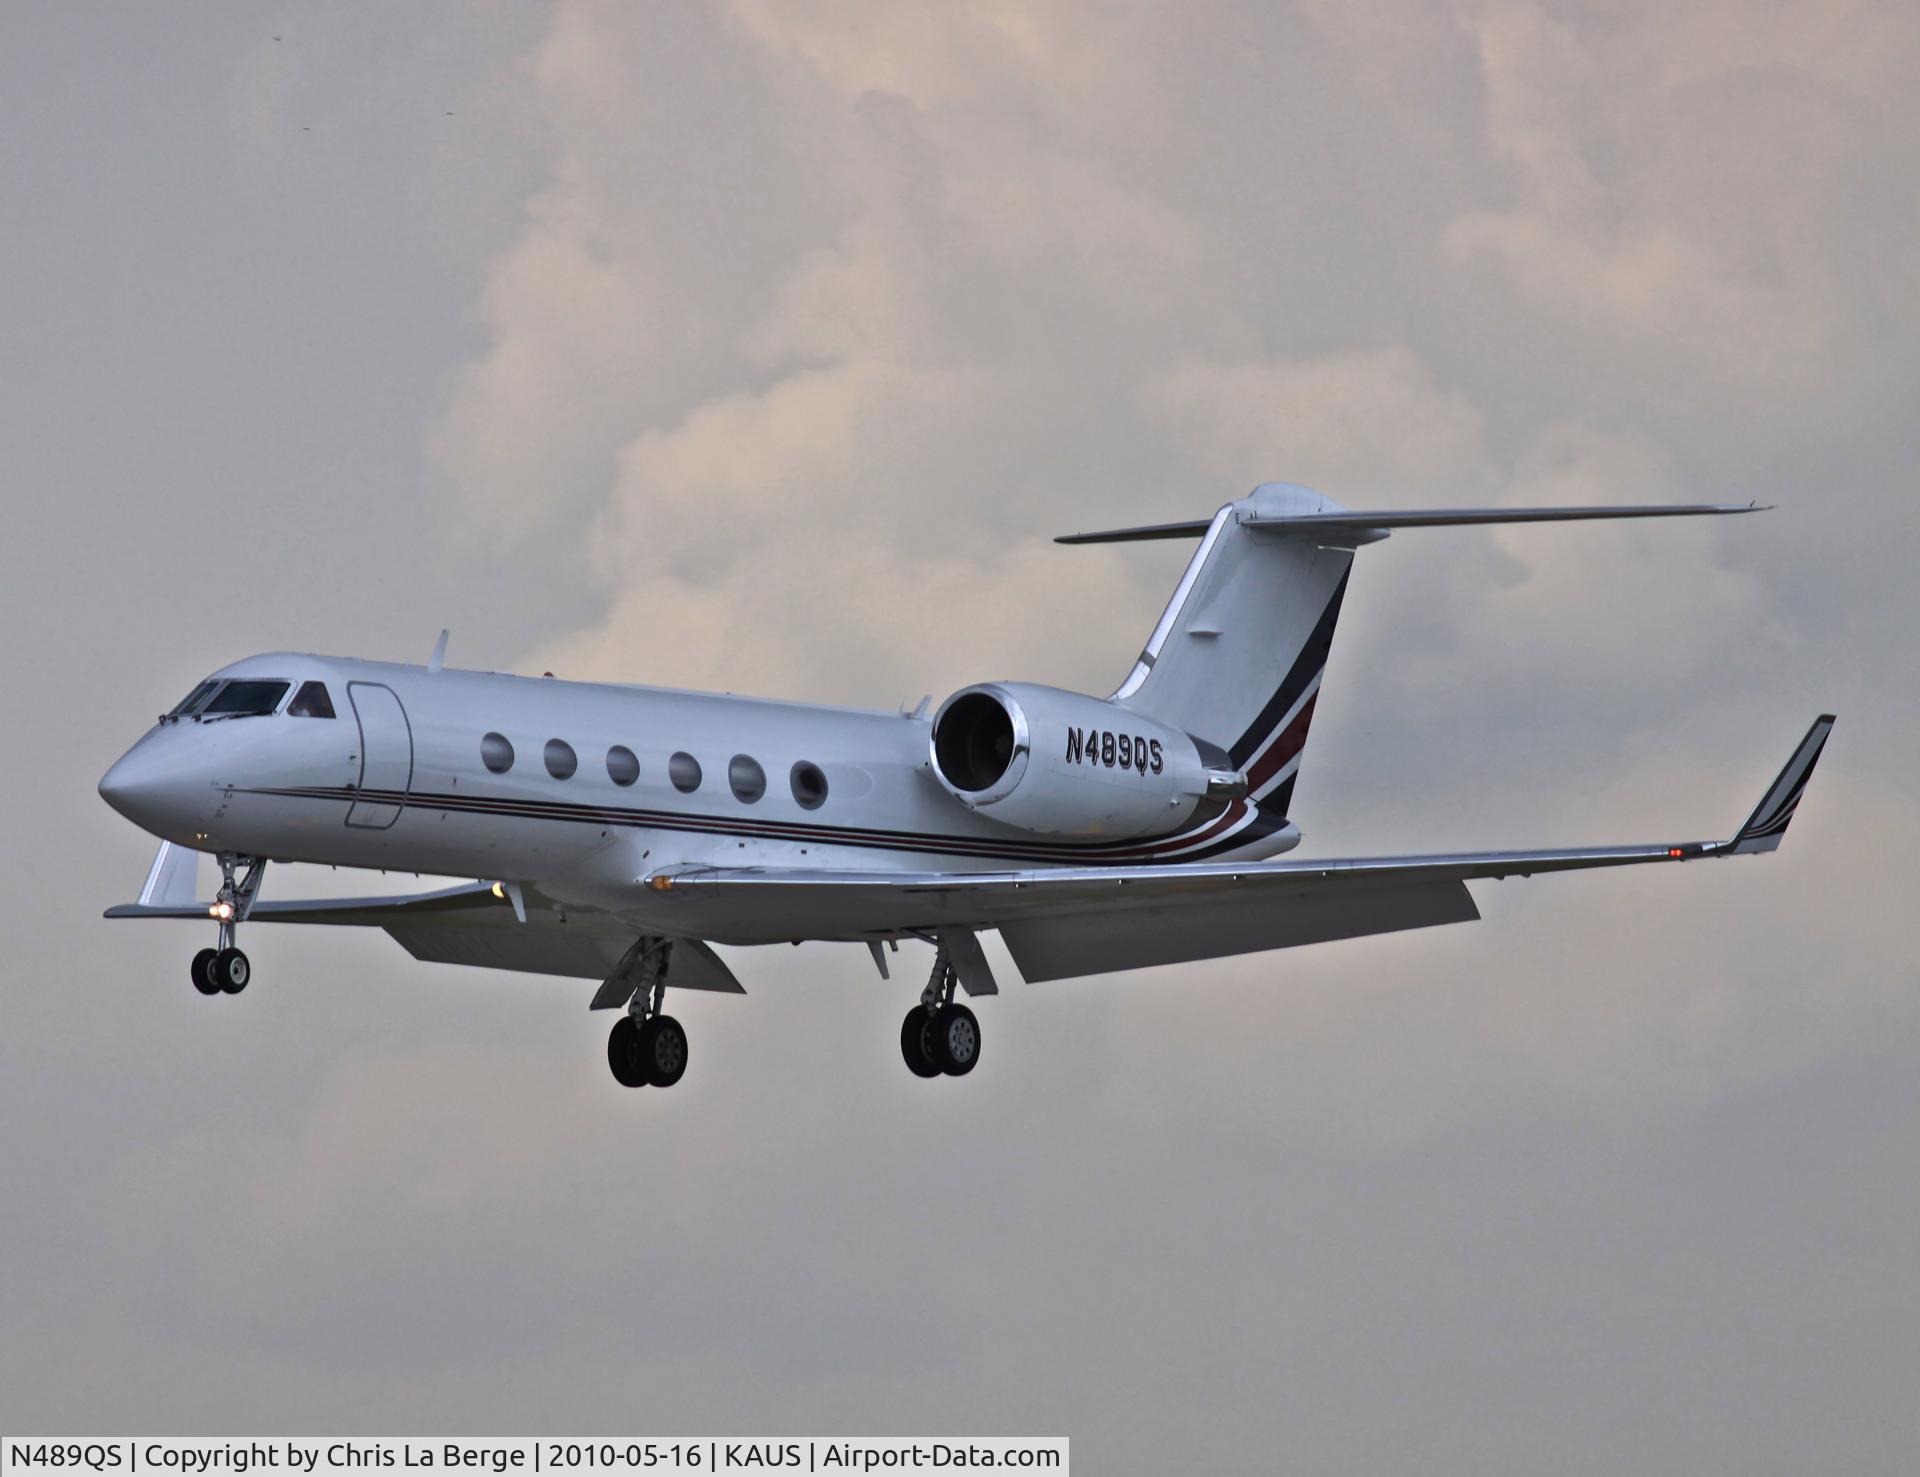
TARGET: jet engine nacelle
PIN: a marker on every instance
(1065, 763)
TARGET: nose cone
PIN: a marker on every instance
(132, 785)
(130, 779)
(151, 787)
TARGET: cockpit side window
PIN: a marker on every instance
(311, 701)
(246, 699)
(194, 701)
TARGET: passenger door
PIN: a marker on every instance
(386, 754)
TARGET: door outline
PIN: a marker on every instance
(370, 814)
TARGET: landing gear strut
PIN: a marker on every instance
(224, 969)
(646, 1047)
(940, 1035)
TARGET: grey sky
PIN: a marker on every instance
(764, 346)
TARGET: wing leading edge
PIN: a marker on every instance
(1059, 922)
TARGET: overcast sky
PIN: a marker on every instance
(764, 346)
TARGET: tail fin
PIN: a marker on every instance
(1237, 658)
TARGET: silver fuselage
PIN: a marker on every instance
(396, 781)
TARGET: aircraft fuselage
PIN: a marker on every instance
(594, 787)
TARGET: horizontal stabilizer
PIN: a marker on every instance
(1348, 522)
(1193, 528)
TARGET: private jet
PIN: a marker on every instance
(617, 833)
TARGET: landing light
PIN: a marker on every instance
(222, 911)
(660, 884)
(500, 892)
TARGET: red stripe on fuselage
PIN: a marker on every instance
(1293, 738)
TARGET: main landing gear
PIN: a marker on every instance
(224, 970)
(940, 1035)
(645, 1047)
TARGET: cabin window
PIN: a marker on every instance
(496, 753)
(747, 779)
(311, 701)
(246, 699)
(194, 701)
(809, 785)
(684, 770)
(561, 760)
(622, 767)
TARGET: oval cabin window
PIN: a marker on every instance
(747, 779)
(809, 785)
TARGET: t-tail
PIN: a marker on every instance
(1238, 656)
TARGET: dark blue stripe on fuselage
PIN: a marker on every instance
(1130, 852)
(1307, 665)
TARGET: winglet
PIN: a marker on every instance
(1768, 823)
(173, 879)
(439, 657)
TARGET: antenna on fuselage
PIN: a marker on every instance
(439, 657)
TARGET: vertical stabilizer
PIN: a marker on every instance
(1238, 655)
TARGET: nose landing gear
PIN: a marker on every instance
(940, 1035)
(225, 970)
(645, 1047)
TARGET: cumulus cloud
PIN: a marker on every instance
(814, 323)
(1679, 179)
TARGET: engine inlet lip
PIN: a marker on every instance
(1016, 769)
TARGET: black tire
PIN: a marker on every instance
(623, 1053)
(663, 1050)
(203, 979)
(231, 971)
(956, 1040)
(916, 1042)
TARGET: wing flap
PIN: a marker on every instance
(569, 951)
(1075, 944)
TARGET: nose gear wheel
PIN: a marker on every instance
(223, 969)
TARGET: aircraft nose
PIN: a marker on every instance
(157, 785)
(129, 785)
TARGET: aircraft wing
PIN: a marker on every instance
(1062, 922)
(473, 924)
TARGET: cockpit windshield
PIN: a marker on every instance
(194, 701)
(245, 699)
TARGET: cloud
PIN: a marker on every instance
(1318, 419)
(1669, 186)
(762, 347)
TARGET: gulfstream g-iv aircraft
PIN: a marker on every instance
(618, 832)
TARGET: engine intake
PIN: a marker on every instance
(975, 740)
(1064, 763)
